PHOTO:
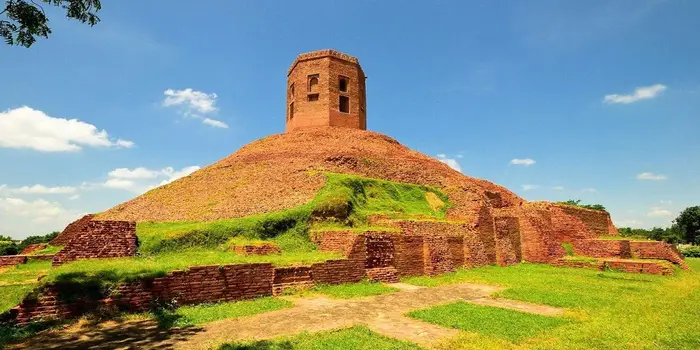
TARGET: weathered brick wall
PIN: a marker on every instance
(383, 274)
(41, 257)
(598, 222)
(566, 227)
(598, 264)
(600, 248)
(257, 249)
(200, 284)
(32, 248)
(337, 241)
(437, 257)
(657, 250)
(100, 239)
(12, 260)
(408, 255)
(338, 271)
(73, 229)
(293, 277)
(628, 266)
(508, 247)
(380, 250)
(536, 234)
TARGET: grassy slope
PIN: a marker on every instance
(612, 310)
(18, 281)
(50, 249)
(351, 338)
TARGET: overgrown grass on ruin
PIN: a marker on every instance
(49, 250)
(18, 281)
(361, 289)
(346, 201)
(192, 315)
(611, 310)
(108, 272)
(350, 338)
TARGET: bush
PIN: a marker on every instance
(690, 251)
(8, 248)
(577, 203)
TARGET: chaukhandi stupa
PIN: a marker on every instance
(386, 210)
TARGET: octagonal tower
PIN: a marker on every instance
(326, 88)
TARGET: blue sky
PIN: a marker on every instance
(591, 100)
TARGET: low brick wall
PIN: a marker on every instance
(200, 284)
(338, 271)
(380, 250)
(257, 249)
(633, 266)
(508, 246)
(12, 260)
(100, 239)
(32, 248)
(295, 277)
(600, 248)
(41, 257)
(658, 250)
(383, 274)
(597, 265)
(597, 221)
(408, 255)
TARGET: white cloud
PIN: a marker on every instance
(20, 218)
(525, 161)
(530, 187)
(451, 162)
(39, 189)
(558, 188)
(194, 104)
(589, 190)
(74, 197)
(666, 202)
(25, 127)
(628, 223)
(640, 93)
(651, 176)
(656, 211)
(215, 123)
(139, 180)
(136, 173)
(192, 100)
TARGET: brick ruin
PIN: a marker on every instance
(99, 239)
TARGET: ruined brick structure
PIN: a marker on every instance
(257, 249)
(326, 88)
(72, 230)
(12, 260)
(32, 248)
(100, 239)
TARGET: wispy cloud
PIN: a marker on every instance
(451, 162)
(524, 161)
(640, 93)
(194, 104)
(38, 189)
(29, 128)
(141, 179)
(589, 190)
(651, 176)
(529, 187)
(656, 211)
(558, 188)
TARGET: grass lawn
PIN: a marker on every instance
(348, 290)
(351, 338)
(50, 249)
(192, 315)
(610, 310)
(491, 321)
(18, 281)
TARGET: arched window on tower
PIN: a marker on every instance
(343, 84)
(313, 82)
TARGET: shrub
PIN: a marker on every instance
(690, 251)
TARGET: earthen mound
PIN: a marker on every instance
(286, 170)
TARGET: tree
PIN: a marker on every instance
(688, 223)
(27, 19)
(577, 203)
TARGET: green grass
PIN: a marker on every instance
(510, 325)
(344, 202)
(49, 250)
(18, 281)
(612, 310)
(364, 288)
(569, 248)
(625, 238)
(11, 296)
(579, 258)
(354, 338)
(198, 314)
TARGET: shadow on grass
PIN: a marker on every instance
(260, 345)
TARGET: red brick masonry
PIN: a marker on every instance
(257, 249)
(73, 229)
(12, 260)
(32, 248)
(100, 239)
(629, 266)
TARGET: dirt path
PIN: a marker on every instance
(383, 314)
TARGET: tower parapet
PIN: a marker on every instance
(326, 88)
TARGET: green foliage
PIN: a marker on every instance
(690, 251)
(349, 338)
(511, 325)
(27, 19)
(11, 296)
(37, 240)
(569, 248)
(8, 248)
(688, 224)
(613, 310)
(348, 290)
(669, 234)
(577, 203)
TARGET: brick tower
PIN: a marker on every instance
(326, 88)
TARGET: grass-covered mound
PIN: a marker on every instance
(345, 201)
(18, 281)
